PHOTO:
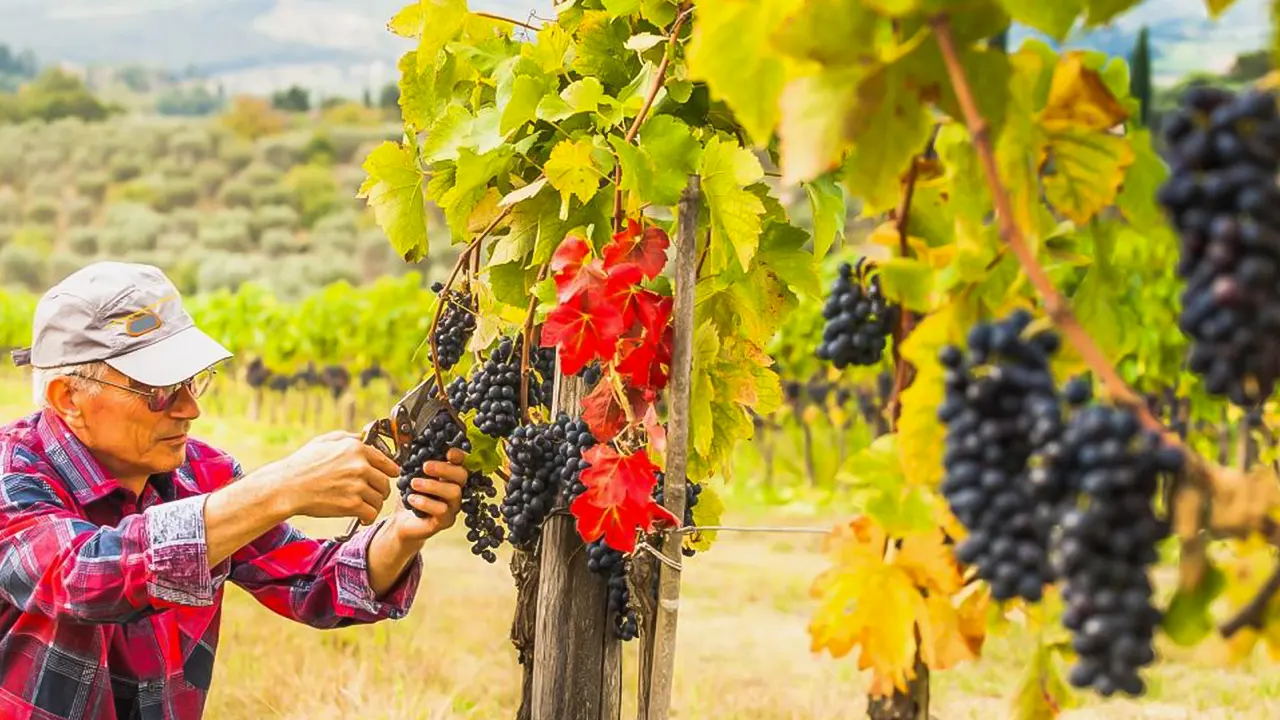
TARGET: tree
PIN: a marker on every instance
(389, 99)
(56, 94)
(1140, 75)
(1250, 66)
(252, 118)
(294, 99)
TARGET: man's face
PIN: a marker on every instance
(126, 436)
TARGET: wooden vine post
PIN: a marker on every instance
(658, 651)
(577, 660)
(574, 669)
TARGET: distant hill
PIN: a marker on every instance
(342, 46)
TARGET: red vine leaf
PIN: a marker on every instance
(645, 249)
(584, 328)
(618, 500)
(624, 292)
(605, 416)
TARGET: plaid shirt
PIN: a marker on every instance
(107, 597)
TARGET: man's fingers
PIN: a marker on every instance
(379, 460)
(439, 489)
(367, 513)
(430, 506)
(445, 471)
(372, 499)
(375, 479)
(456, 456)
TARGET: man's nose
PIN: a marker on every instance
(185, 406)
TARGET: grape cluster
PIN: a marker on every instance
(1107, 542)
(1224, 152)
(457, 323)
(612, 565)
(1000, 406)
(543, 361)
(691, 492)
(858, 319)
(546, 460)
(591, 373)
(433, 443)
(494, 391)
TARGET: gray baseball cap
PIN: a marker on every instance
(128, 315)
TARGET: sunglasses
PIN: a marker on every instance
(160, 399)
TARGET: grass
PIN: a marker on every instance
(743, 645)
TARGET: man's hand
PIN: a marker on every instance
(335, 475)
(438, 494)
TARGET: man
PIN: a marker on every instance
(118, 530)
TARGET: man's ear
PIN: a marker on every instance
(65, 401)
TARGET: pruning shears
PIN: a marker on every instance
(394, 434)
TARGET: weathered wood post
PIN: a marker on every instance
(659, 649)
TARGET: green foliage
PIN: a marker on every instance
(292, 99)
(22, 267)
(83, 241)
(52, 95)
(315, 191)
(93, 185)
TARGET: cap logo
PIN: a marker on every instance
(144, 320)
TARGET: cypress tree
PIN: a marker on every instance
(1140, 75)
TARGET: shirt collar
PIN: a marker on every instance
(75, 464)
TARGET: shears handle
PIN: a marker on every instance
(375, 434)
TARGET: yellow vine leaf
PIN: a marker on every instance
(875, 604)
(920, 433)
(1079, 99)
(1088, 170)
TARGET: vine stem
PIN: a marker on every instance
(503, 18)
(474, 247)
(524, 349)
(654, 88)
(1058, 309)
(902, 214)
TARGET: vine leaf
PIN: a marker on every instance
(571, 171)
(1101, 11)
(731, 51)
(484, 456)
(894, 125)
(828, 209)
(869, 602)
(920, 432)
(645, 248)
(393, 189)
(726, 170)
(1088, 169)
(1187, 620)
(657, 169)
(618, 500)
(907, 282)
(1042, 693)
(706, 513)
(1217, 7)
(433, 23)
(1051, 18)
(584, 328)
(1079, 98)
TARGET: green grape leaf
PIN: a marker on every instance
(828, 208)
(600, 52)
(571, 171)
(522, 106)
(1042, 693)
(583, 95)
(726, 169)
(782, 253)
(815, 122)
(832, 33)
(1217, 7)
(484, 456)
(447, 135)
(441, 21)
(895, 128)
(644, 41)
(1102, 11)
(1096, 305)
(511, 283)
(549, 51)
(621, 7)
(471, 183)
(659, 12)
(393, 189)
(907, 282)
(731, 51)
(706, 513)
(1051, 18)
(1088, 168)
(1137, 200)
(658, 168)
(706, 347)
(420, 104)
(1187, 620)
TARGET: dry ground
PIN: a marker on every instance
(743, 646)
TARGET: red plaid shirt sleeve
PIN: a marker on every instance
(55, 563)
(321, 583)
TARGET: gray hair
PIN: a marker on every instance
(41, 377)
